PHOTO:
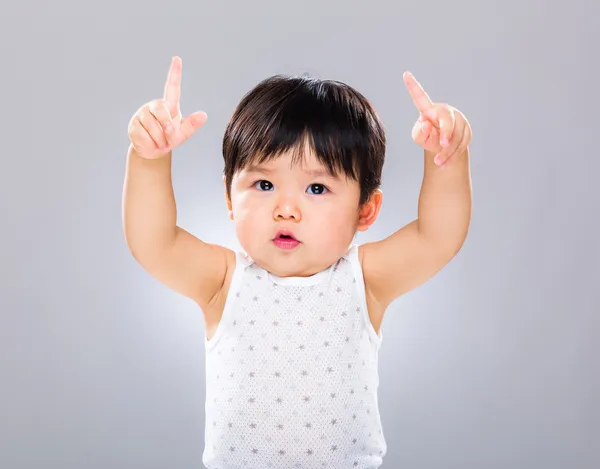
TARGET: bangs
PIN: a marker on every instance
(300, 115)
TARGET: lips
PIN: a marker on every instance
(285, 234)
(286, 240)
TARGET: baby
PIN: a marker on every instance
(293, 323)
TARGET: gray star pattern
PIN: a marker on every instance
(306, 392)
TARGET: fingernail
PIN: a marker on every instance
(437, 159)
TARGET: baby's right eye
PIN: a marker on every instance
(262, 183)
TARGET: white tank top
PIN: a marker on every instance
(292, 372)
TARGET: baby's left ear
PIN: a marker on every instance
(370, 210)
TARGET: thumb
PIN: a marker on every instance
(192, 123)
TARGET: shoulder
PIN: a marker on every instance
(400, 263)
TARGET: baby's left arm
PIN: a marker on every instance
(416, 252)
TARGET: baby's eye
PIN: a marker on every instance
(262, 183)
(265, 185)
(320, 188)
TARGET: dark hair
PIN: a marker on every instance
(284, 113)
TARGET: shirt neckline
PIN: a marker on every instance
(314, 279)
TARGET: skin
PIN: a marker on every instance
(322, 212)
(325, 222)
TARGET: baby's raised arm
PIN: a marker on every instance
(169, 253)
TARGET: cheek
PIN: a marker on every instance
(336, 221)
(248, 215)
(242, 207)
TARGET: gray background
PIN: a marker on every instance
(491, 364)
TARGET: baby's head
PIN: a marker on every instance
(282, 130)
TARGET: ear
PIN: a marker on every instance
(369, 211)
(227, 200)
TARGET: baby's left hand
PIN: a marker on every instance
(441, 129)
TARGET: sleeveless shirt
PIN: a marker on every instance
(292, 372)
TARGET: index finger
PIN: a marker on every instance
(417, 93)
(173, 85)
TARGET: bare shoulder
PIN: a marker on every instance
(217, 302)
(213, 311)
(375, 308)
(370, 275)
(193, 268)
(400, 263)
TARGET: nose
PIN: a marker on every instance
(286, 208)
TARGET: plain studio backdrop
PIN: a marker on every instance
(492, 364)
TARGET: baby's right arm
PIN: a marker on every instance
(169, 253)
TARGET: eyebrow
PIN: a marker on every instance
(310, 172)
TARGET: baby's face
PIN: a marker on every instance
(321, 211)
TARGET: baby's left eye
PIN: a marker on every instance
(320, 188)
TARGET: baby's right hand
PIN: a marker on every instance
(157, 127)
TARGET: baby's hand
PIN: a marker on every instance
(157, 127)
(440, 129)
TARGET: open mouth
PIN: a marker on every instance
(286, 240)
(285, 235)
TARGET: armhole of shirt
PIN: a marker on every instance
(236, 279)
(354, 260)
